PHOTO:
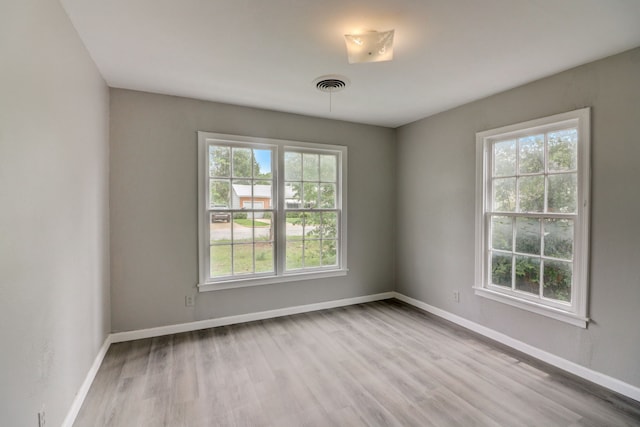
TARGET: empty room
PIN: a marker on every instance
(329, 213)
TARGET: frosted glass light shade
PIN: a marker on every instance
(372, 46)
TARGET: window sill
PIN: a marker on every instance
(534, 307)
(258, 281)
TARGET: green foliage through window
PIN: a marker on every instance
(534, 174)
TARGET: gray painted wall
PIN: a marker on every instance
(54, 247)
(154, 260)
(436, 196)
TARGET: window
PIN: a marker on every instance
(269, 211)
(532, 216)
(312, 215)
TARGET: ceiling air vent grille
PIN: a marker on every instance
(331, 83)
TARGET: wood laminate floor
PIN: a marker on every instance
(376, 364)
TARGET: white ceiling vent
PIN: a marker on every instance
(331, 83)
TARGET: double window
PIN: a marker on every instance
(532, 215)
(269, 210)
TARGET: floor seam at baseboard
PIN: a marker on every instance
(80, 396)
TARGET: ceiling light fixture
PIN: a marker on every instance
(372, 46)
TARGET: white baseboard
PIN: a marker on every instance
(86, 384)
(599, 378)
(242, 318)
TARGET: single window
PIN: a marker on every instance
(269, 210)
(532, 215)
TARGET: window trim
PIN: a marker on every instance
(574, 313)
(280, 275)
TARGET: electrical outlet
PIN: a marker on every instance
(41, 419)
(189, 301)
(456, 296)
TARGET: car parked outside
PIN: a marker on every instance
(220, 216)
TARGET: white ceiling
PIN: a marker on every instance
(266, 53)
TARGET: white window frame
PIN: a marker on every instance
(279, 146)
(574, 312)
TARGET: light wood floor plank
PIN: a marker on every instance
(377, 364)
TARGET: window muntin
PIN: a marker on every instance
(532, 217)
(270, 210)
